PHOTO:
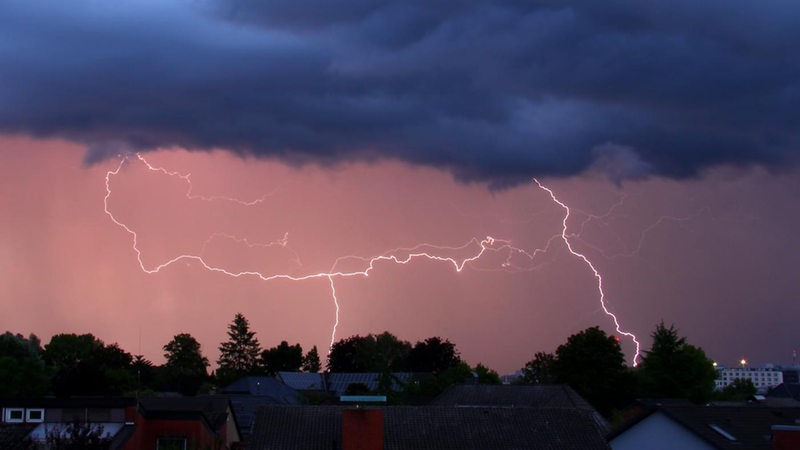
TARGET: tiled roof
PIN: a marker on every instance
(214, 410)
(267, 387)
(249, 393)
(749, 425)
(785, 390)
(537, 396)
(244, 408)
(303, 381)
(432, 427)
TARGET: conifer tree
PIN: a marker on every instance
(675, 369)
(239, 355)
(311, 362)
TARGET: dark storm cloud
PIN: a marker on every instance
(490, 90)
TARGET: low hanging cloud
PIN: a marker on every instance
(494, 91)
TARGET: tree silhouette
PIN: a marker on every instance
(433, 355)
(84, 365)
(674, 369)
(381, 353)
(283, 357)
(239, 355)
(739, 390)
(540, 370)
(185, 369)
(592, 363)
(22, 369)
(485, 375)
(311, 361)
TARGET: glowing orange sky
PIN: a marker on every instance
(714, 256)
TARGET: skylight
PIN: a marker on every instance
(722, 432)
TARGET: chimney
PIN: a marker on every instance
(785, 437)
(362, 429)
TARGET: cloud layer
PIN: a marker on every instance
(496, 91)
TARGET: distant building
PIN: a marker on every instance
(763, 378)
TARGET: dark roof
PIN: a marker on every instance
(537, 396)
(750, 425)
(13, 435)
(244, 408)
(249, 393)
(267, 387)
(67, 402)
(303, 381)
(785, 390)
(213, 410)
(432, 427)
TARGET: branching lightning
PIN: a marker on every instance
(474, 249)
(582, 257)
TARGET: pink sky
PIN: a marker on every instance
(714, 256)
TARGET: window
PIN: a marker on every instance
(34, 415)
(13, 415)
(171, 443)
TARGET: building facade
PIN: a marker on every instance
(763, 378)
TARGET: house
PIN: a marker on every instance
(423, 427)
(129, 424)
(686, 426)
(183, 423)
(248, 393)
(39, 418)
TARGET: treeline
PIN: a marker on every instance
(590, 361)
(593, 364)
(73, 364)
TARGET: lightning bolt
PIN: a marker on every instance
(590, 265)
(475, 249)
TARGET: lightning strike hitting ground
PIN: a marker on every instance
(475, 247)
(591, 266)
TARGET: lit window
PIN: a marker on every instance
(34, 415)
(171, 443)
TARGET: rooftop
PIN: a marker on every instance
(432, 427)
